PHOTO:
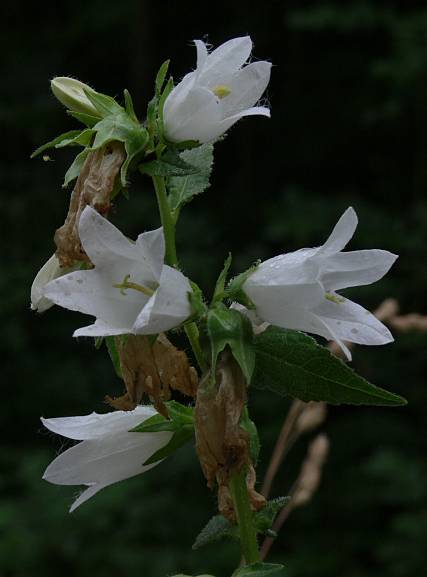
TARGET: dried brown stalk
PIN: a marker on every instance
(93, 188)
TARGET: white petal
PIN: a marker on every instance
(228, 122)
(152, 250)
(351, 322)
(96, 425)
(106, 460)
(247, 87)
(196, 118)
(202, 53)
(225, 60)
(341, 234)
(93, 293)
(49, 271)
(100, 329)
(292, 268)
(168, 307)
(176, 98)
(85, 495)
(102, 240)
(356, 268)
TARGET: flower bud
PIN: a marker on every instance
(71, 93)
(49, 271)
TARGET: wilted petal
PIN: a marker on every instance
(356, 268)
(168, 307)
(94, 426)
(341, 234)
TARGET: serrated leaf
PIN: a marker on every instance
(292, 363)
(55, 141)
(84, 138)
(228, 327)
(264, 518)
(170, 164)
(114, 355)
(217, 528)
(183, 188)
(180, 438)
(261, 570)
(74, 170)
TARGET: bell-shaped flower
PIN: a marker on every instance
(129, 290)
(71, 93)
(108, 453)
(297, 290)
(209, 100)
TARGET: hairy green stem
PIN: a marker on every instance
(192, 333)
(167, 220)
(239, 494)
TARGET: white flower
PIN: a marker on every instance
(130, 290)
(208, 101)
(71, 93)
(49, 271)
(109, 452)
(297, 290)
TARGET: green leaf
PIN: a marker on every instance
(169, 164)
(229, 327)
(55, 141)
(249, 426)
(183, 188)
(161, 75)
(264, 518)
(179, 417)
(74, 170)
(129, 105)
(84, 138)
(260, 570)
(180, 438)
(104, 104)
(114, 355)
(217, 528)
(292, 363)
(86, 119)
(220, 283)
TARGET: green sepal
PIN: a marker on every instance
(197, 302)
(182, 189)
(254, 443)
(129, 107)
(234, 290)
(84, 138)
(228, 327)
(105, 105)
(179, 439)
(86, 119)
(161, 103)
(220, 283)
(114, 355)
(179, 416)
(75, 167)
(264, 518)
(261, 570)
(122, 128)
(293, 364)
(161, 76)
(99, 341)
(170, 163)
(53, 143)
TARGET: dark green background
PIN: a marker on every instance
(349, 126)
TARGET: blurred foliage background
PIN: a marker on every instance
(349, 127)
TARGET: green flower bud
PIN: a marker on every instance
(71, 93)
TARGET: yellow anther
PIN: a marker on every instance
(222, 90)
(334, 298)
(126, 284)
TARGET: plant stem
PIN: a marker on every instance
(192, 333)
(248, 540)
(167, 220)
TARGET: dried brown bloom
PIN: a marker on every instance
(93, 188)
(152, 369)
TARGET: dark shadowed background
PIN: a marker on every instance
(349, 127)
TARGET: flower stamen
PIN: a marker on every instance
(221, 90)
(126, 284)
(334, 298)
